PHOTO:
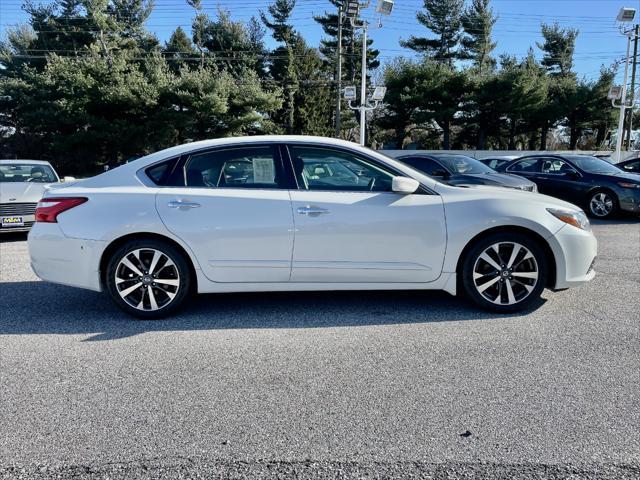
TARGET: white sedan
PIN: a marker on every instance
(22, 184)
(292, 213)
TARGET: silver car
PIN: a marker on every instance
(22, 184)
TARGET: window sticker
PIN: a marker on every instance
(263, 170)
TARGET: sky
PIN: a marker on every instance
(518, 27)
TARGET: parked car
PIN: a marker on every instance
(455, 169)
(181, 220)
(632, 165)
(22, 184)
(592, 183)
(497, 162)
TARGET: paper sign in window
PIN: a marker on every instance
(263, 170)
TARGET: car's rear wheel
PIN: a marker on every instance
(504, 272)
(148, 278)
(602, 204)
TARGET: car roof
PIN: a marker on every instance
(21, 162)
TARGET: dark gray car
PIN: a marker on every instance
(455, 169)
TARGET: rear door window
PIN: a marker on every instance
(531, 165)
(243, 167)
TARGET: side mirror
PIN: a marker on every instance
(68, 179)
(440, 173)
(572, 174)
(404, 185)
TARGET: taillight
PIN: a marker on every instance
(48, 209)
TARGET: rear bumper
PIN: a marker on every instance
(60, 259)
(575, 252)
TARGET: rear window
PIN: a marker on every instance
(161, 173)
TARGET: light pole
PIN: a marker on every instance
(339, 71)
(353, 8)
(625, 15)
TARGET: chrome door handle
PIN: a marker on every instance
(182, 205)
(310, 210)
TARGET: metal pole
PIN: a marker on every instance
(633, 84)
(623, 103)
(339, 73)
(363, 85)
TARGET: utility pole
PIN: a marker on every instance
(363, 85)
(626, 15)
(339, 73)
(633, 84)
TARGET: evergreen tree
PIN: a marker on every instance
(558, 47)
(444, 19)
(283, 68)
(478, 21)
(179, 49)
(228, 43)
(439, 94)
(400, 105)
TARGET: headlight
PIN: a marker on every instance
(577, 219)
(629, 185)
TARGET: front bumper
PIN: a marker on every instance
(60, 259)
(575, 252)
(29, 220)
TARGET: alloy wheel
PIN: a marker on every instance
(601, 204)
(505, 273)
(147, 279)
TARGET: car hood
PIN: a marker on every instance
(625, 176)
(22, 192)
(497, 179)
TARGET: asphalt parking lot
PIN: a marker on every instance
(314, 385)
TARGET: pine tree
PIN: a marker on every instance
(178, 48)
(444, 19)
(283, 68)
(558, 47)
(478, 21)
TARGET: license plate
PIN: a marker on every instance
(15, 221)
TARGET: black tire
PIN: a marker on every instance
(524, 291)
(166, 298)
(596, 197)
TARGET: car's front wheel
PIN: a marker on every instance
(602, 204)
(148, 278)
(504, 272)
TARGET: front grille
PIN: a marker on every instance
(9, 209)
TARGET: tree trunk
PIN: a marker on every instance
(543, 136)
(290, 113)
(573, 138)
(482, 138)
(446, 135)
(512, 135)
(399, 134)
(532, 140)
(601, 135)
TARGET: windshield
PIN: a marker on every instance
(463, 164)
(592, 164)
(27, 172)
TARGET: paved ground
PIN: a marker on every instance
(350, 385)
